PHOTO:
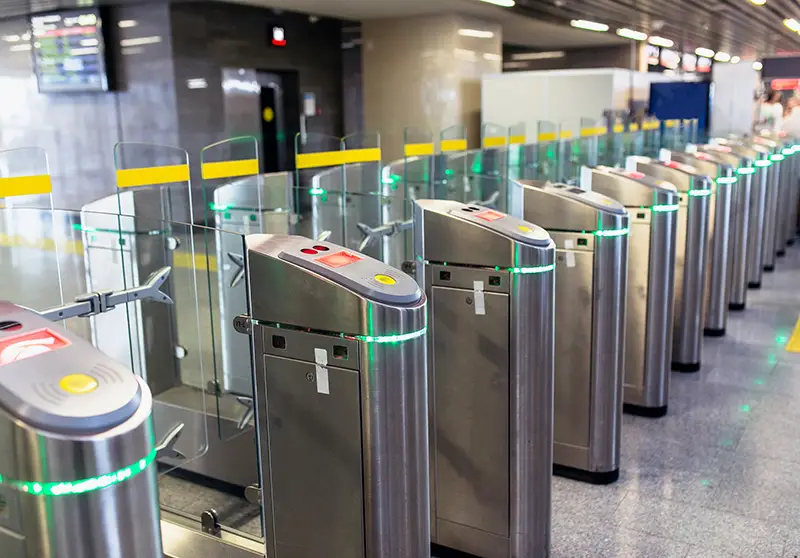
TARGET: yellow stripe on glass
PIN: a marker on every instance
(671, 123)
(25, 185)
(494, 141)
(565, 134)
(418, 149)
(516, 140)
(229, 169)
(619, 128)
(367, 155)
(453, 145)
(793, 346)
(148, 176)
(634, 127)
(547, 136)
(596, 131)
(319, 159)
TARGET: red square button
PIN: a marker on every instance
(30, 344)
(338, 259)
(489, 215)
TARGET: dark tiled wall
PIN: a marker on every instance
(622, 56)
(207, 37)
(79, 130)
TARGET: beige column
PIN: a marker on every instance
(426, 72)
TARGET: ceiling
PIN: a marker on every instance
(735, 26)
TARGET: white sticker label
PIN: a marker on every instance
(586, 178)
(480, 303)
(570, 256)
(246, 224)
(664, 155)
(321, 359)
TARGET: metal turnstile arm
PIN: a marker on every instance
(91, 304)
(374, 233)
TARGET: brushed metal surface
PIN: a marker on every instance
(472, 380)
(119, 521)
(389, 397)
(184, 540)
(771, 222)
(505, 355)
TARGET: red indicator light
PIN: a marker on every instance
(489, 215)
(703, 156)
(634, 174)
(724, 148)
(31, 344)
(308, 251)
(672, 164)
(321, 248)
(338, 259)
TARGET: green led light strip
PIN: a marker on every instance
(726, 180)
(534, 269)
(746, 170)
(612, 232)
(763, 163)
(788, 151)
(391, 338)
(699, 193)
(82, 486)
(316, 191)
(776, 157)
(665, 208)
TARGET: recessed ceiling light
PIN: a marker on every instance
(757, 66)
(661, 42)
(477, 33)
(503, 3)
(758, 2)
(538, 55)
(735, 59)
(722, 57)
(589, 25)
(702, 51)
(631, 34)
(127, 23)
(792, 24)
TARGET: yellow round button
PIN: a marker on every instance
(78, 384)
(385, 279)
(524, 229)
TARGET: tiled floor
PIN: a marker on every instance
(719, 476)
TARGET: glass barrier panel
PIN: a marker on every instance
(618, 148)
(363, 174)
(516, 151)
(570, 151)
(418, 160)
(451, 174)
(652, 137)
(319, 176)
(489, 171)
(545, 155)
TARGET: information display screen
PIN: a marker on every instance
(69, 51)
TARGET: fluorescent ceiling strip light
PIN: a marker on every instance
(661, 42)
(722, 57)
(702, 51)
(539, 55)
(476, 33)
(589, 25)
(631, 34)
(501, 3)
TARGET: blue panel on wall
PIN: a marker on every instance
(671, 100)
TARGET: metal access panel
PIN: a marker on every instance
(76, 447)
(341, 394)
(653, 207)
(489, 278)
(591, 235)
(691, 252)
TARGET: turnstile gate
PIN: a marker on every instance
(743, 204)
(341, 400)
(653, 208)
(591, 236)
(769, 247)
(76, 447)
(721, 233)
(691, 249)
(490, 281)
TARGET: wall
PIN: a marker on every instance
(208, 37)
(420, 73)
(79, 130)
(733, 93)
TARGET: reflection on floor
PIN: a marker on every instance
(719, 476)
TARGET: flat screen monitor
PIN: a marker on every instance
(69, 53)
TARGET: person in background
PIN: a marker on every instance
(771, 112)
(791, 118)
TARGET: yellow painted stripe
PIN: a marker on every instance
(634, 127)
(670, 123)
(183, 260)
(565, 134)
(25, 185)
(368, 155)
(596, 131)
(494, 141)
(149, 176)
(547, 136)
(319, 159)
(793, 346)
(418, 149)
(619, 128)
(453, 145)
(229, 169)
(515, 140)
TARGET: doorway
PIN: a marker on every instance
(280, 119)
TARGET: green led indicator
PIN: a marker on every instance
(84, 485)
(612, 232)
(763, 163)
(700, 193)
(787, 151)
(726, 180)
(664, 208)
(776, 157)
(316, 191)
(218, 206)
(534, 269)
(746, 170)
(391, 338)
